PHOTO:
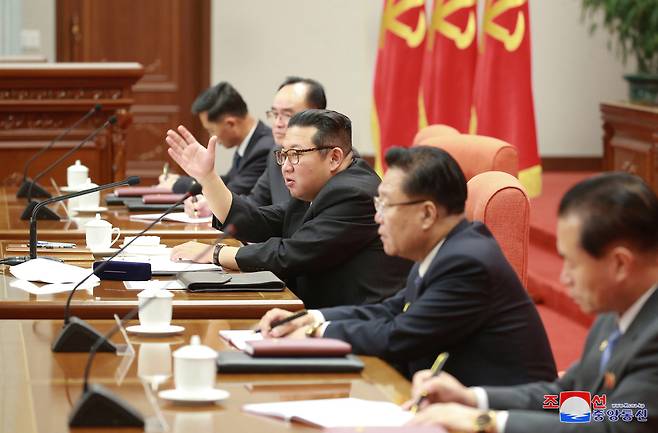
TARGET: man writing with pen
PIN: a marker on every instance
(461, 296)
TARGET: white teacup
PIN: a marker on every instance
(154, 363)
(76, 174)
(194, 367)
(87, 201)
(99, 234)
(155, 308)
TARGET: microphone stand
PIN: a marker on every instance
(31, 186)
(47, 213)
(77, 335)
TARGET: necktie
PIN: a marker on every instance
(236, 160)
(609, 347)
(413, 291)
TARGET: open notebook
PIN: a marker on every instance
(354, 412)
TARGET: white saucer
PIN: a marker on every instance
(197, 398)
(89, 209)
(103, 252)
(148, 331)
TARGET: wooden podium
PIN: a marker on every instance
(630, 140)
(38, 101)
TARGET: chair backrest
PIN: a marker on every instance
(476, 154)
(433, 131)
(499, 200)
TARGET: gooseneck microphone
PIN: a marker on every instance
(39, 207)
(27, 213)
(132, 180)
(77, 335)
(98, 406)
(29, 185)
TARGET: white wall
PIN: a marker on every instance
(256, 43)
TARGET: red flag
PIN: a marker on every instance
(503, 103)
(397, 76)
(449, 65)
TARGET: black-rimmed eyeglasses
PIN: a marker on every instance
(293, 154)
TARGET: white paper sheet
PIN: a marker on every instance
(50, 271)
(239, 338)
(180, 217)
(154, 285)
(49, 289)
(354, 412)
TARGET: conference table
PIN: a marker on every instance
(112, 297)
(38, 388)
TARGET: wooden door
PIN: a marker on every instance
(170, 38)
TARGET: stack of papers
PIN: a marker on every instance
(162, 264)
(353, 412)
(50, 271)
(240, 338)
(180, 217)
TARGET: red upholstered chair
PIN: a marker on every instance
(499, 200)
(433, 131)
(476, 154)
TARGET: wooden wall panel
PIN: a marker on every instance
(170, 38)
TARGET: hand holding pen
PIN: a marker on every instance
(436, 369)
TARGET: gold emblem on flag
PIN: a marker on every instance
(442, 10)
(413, 37)
(511, 40)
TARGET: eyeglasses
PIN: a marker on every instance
(293, 154)
(381, 205)
(272, 115)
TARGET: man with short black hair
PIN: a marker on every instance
(224, 114)
(462, 296)
(607, 233)
(323, 241)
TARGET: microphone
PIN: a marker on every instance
(77, 335)
(98, 406)
(27, 184)
(27, 213)
(132, 180)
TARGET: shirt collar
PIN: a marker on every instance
(243, 146)
(427, 261)
(631, 313)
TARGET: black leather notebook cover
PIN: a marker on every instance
(113, 200)
(240, 362)
(212, 281)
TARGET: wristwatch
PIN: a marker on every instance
(310, 332)
(215, 253)
(486, 422)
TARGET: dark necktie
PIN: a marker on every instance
(609, 347)
(236, 160)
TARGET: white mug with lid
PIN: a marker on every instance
(88, 201)
(195, 367)
(98, 234)
(155, 313)
(76, 174)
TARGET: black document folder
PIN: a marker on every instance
(240, 362)
(212, 281)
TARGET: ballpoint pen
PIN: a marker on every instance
(436, 369)
(297, 315)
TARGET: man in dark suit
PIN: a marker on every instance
(323, 242)
(608, 235)
(223, 113)
(295, 94)
(462, 296)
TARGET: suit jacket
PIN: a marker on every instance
(270, 187)
(634, 364)
(470, 303)
(328, 252)
(242, 178)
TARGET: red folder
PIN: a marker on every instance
(307, 347)
(161, 198)
(138, 191)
